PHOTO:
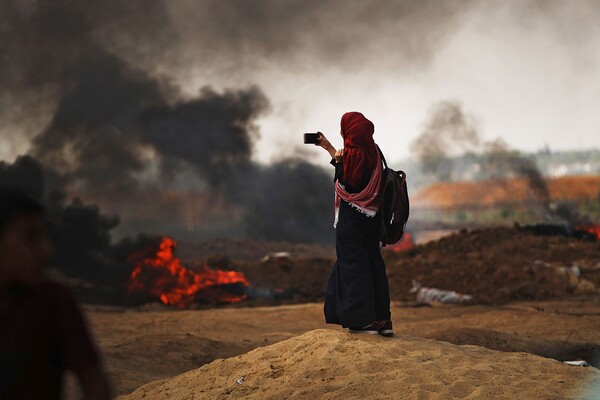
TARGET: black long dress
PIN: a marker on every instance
(357, 291)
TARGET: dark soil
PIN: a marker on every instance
(497, 265)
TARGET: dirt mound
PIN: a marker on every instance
(498, 265)
(327, 364)
(495, 265)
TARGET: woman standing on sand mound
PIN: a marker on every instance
(357, 295)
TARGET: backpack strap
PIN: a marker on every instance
(382, 156)
(402, 173)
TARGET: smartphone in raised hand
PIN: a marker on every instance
(311, 138)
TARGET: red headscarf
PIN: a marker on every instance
(360, 151)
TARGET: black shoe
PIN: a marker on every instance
(372, 328)
(385, 328)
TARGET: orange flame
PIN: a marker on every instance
(404, 244)
(590, 228)
(162, 275)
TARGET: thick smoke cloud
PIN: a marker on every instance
(46, 45)
(307, 33)
(213, 132)
(105, 84)
(121, 135)
(91, 136)
(25, 175)
(291, 199)
(223, 43)
(106, 96)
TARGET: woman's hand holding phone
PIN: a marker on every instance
(324, 143)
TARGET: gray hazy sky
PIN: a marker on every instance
(527, 71)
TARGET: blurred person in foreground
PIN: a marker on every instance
(357, 295)
(42, 331)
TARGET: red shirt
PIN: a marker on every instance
(42, 334)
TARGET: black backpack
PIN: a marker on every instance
(394, 206)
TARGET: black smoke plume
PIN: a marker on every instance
(128, 139)
(93, 87)
(501, 161)
(447, 131)
(290, 199)
(24, 175)
(213, 132)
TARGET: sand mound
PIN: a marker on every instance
(329, 364)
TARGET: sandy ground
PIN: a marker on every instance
(329, 364)
(143, 346)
